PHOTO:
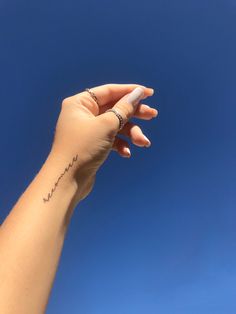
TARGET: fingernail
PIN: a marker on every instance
(155, 112)
(151, 90)
(127, 150)
(148, 142)
(134, 97)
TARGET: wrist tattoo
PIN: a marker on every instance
(56, 183)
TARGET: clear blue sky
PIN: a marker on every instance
(158, 232)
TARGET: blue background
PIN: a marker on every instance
(158, 232)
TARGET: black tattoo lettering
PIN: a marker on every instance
(56, 183)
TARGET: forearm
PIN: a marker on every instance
(32, 236)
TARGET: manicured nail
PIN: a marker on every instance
(155, 112)
(151, 90)
(147, 140)
(127, 150)
(136, 95)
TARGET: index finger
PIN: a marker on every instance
(113, 92)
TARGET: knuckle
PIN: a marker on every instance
(130, 125)
(65, 101)
(128, 128)
(124, 111)
(109, 90)
(105, 117)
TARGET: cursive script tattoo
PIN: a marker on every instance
(56, 183)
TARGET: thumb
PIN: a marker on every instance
(126, 108)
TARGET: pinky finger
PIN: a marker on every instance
(122, 147)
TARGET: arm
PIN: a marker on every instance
(32, 235)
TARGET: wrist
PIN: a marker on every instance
(72, 172)
(57, 183)
(66, 165)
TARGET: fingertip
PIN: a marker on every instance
(127, 152)
(151, 91)
(155, 113)
(148, 92)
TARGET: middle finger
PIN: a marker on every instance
(143, 111)
(134, 132)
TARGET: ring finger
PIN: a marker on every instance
(143, 111)
(134, 132)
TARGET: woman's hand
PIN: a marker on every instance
(33, 233)
(85, 130)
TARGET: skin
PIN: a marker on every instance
(33, 234)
